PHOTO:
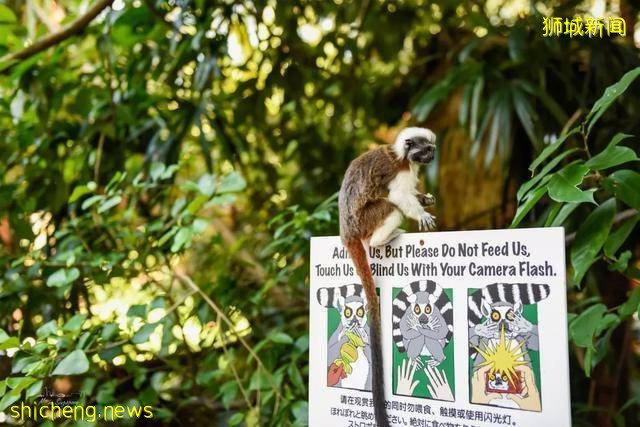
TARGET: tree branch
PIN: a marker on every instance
(75, 27)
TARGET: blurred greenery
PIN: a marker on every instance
(164, 165)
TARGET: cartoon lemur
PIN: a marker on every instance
(422, 321)
(350, 303)
(378, 188)
(501, 305)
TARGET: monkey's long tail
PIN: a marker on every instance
(359, 258)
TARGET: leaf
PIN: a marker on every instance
(207, 185)
(583, 328)
(91, 201)
(563, 185)
(182, 237)
(63, 277)
(280, 338)
(625, 184)
(564, 213)
(538, 179)
(12, 342)
(156, 170)
(74, 363)
(618, 237)
(235, 419)
(142, 335)
(75, 323)
(81, 190)
(621, 263)
(6, 15)
(48, 329)
(610, 95)
(137, 310)
(524, 208)
(550, 149)
(590, 237)
(232, 183)
(300, 411)
(612, 155)
(109, 203)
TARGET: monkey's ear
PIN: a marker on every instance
(517, 308)
(485, 308)
(340, 303)
(412, 298)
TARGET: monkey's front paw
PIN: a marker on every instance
(426, 200)
(427, 222)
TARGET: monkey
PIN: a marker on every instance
(501, 305)
(379, 187)
(422, 321)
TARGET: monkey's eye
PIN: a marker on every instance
(495, 316)
(416, 309)
(510, 315)
(427, 309)
(348, 312)
(360, 312)
(492, 377)
(504, 378)
(409, 143)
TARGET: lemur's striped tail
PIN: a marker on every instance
(524, 293)
(328, 297)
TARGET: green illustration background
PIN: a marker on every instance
(420, 376)
(529, 312)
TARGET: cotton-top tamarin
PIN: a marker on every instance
(378, 188)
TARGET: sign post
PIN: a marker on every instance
(474, 330)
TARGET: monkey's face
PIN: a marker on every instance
(502, 315)
(422, 312)
(353, 315)
(420, 149)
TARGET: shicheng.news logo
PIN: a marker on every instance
(583, 27)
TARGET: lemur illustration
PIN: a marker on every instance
(501, 305)
(349, 344)
(422, 321)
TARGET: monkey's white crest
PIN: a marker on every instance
(408, 133)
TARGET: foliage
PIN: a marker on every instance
(164, 169)
(598, 196)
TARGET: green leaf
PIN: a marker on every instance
(74, 363)
(207, 185)
(300, 411)
(232, 183)
(81, 190)
(612, 155)
(538, 180)
(631, 304)
(625, 184)
(63, 277)
(618, 237)
(91, 201)
(563, 185)
(529, 203)
(583, 328)
(48, 329)
(564, 213)
(621, 263)
(182, 238)
(8, 399)
(156, 170)
(137, 310)
(142, 335)
(235, 419)
(75, 323)
(280, 338)
(590, 237)
(109, 203)
(550, 149)
(12, 342)
(109, 331)
(610, 95)
(6, 15)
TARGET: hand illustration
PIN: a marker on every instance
(335, 374)
(522, 325)
(478, 387)
(486, 330)
(439, 385)
(529, 398)
(406, 371)
(433, 324)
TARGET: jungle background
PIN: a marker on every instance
(164, 164)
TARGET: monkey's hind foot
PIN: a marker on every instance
(426, 200)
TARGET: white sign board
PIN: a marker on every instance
(474, 331)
